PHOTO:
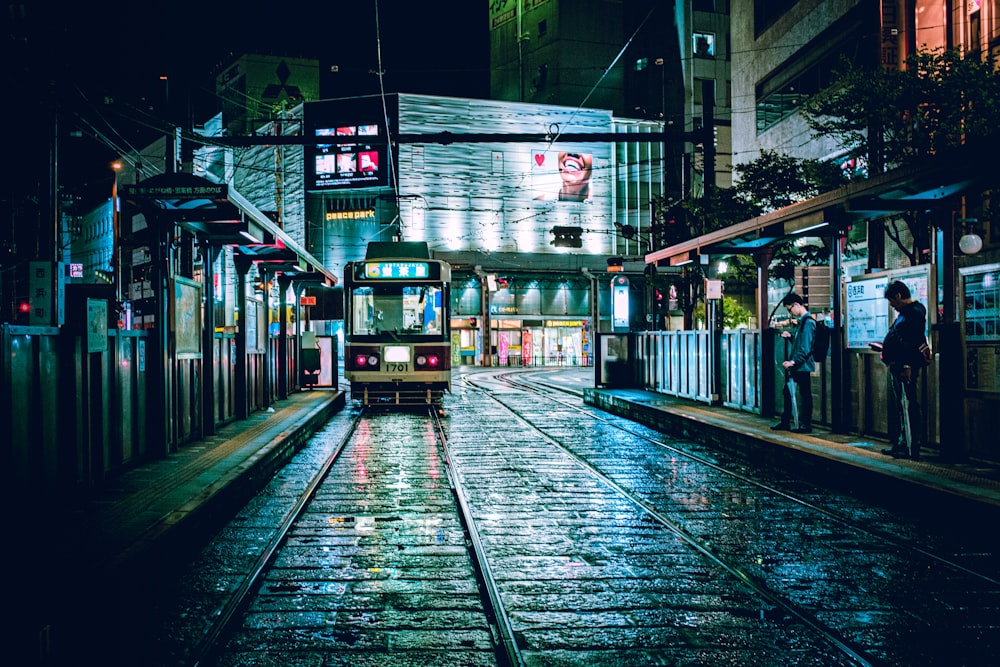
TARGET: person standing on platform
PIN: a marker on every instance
(798, 368)
(905, 352)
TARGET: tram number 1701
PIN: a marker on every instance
(397, 367)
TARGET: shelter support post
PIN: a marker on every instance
(839, 398)
(240, 369)
(950, 372)
(266, 276)
(283, 284)
(762, 257)
(208, 368)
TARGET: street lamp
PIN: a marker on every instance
(971, 242)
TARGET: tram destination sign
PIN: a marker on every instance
(395, 270)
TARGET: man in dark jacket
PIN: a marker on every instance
(905, 352)
(799, 366)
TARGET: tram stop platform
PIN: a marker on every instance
(931, 486)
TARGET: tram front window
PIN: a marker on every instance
(396, 309)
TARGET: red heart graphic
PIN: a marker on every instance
(539, 158)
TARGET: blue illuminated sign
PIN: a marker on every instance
(396, 270)
(619, 304)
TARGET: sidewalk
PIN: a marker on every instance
(971, 488)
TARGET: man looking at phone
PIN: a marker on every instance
(798, 367)
(905, 352)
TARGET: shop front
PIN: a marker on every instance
(541, 342)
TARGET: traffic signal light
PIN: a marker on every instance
(473, 322)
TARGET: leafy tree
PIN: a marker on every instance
(891, 118)
(770, 182)
(733, 314)
(774, 181)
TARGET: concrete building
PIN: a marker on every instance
(647, 59)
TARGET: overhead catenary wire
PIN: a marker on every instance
(604, 73)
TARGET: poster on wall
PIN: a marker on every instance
(187, 317)
(868, 315)
(982, 372)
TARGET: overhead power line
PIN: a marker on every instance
(473, 138)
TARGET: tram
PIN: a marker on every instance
(397, 338)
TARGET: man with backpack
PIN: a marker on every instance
(798, 367)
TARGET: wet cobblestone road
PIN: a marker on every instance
(658, 554)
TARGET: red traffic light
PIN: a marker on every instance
(473, 322)
(24, 307)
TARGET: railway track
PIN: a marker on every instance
(526, 529)
(364, 530)
(829, 528)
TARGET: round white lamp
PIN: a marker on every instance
(970, 243)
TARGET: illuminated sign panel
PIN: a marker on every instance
(351, 145)
(395, 270)
(347, 164)
(619, 304)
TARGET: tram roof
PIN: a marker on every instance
(398, 250)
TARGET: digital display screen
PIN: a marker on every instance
(395, 270)
(348, 164)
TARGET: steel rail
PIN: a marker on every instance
(236, 604)
(510, 655)
(856, 654)
(834, 515)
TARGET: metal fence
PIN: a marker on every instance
(71, 418)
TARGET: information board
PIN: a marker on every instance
(868, 315)
(981, 323)
(187, 317)
(981, 315)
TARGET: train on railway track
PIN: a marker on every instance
(397, 337)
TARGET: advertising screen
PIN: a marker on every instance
(561, 175)
(347, 164)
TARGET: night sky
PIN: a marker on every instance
(104, 61)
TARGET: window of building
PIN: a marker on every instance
(775, 103)
(543, 28)
(704, 45)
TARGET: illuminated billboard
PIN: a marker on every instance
(351, 146)
(561, 175)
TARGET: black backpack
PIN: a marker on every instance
(821, 341)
